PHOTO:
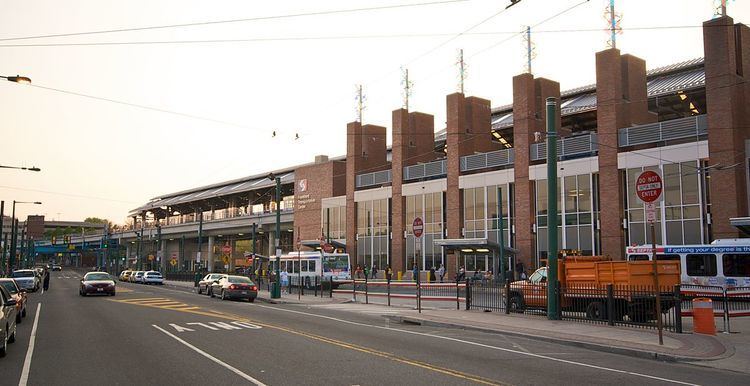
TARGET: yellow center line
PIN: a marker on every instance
(331, 341)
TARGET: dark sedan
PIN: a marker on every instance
(97, 283)
(18, 294)
(234, 287)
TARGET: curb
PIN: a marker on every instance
(591, 346)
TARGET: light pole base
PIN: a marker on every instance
(275, 290)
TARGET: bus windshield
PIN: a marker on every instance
(336, 262)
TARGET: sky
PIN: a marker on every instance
(212, 106)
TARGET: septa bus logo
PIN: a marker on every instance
(302, 184)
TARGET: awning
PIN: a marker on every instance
(741, 223)
(315, 244)
(473, 246)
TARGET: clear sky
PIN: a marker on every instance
(294, 75)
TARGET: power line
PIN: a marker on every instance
(251, 19)
(67, 194)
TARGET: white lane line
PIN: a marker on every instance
(209, 356)
(486, 346)
(30, 351)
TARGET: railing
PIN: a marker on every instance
(690, 127)
(373, 179)
(568, 147)
(426, 170)
(447, 294)
(498, 158)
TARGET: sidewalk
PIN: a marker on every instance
(725, 351)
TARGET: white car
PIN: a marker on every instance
(152, 277)
(27, 279)
(138, 277)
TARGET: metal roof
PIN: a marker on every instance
(232, 187)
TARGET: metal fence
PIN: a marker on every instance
(369, 291)
(727, 303)
(181, 276)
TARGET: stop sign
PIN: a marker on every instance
(648, 186)
(417, 227)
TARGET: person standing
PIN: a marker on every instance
(432, 274)
(46, 281)
(285, 280)
(388, 273)
(441, 272)
(374, 271)
(415, 272)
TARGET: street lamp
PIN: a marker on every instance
(31, 169)
(14, 232)
(17, 79)
(276, 289)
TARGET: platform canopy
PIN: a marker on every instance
(741, 223)
(473, 246)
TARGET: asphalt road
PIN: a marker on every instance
(152, 335)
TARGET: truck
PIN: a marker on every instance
(583, 288)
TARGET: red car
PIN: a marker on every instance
(18, 294)
(99, 283)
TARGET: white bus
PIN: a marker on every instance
(724, 262)
(314, 264)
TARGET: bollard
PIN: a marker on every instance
(399, 275)
(703, 316)
(610, 305)
(330, 288)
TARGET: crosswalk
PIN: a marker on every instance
(368, 309)
(163, 303)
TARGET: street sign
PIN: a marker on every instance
(648, 186)
(417, 227)
(173, 262)
(650, 212)
(227, 249)
(225, 259)
(151, 257)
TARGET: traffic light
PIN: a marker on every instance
(54, 240)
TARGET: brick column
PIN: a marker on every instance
(413, 142)
(365, 152)
(727, 67)
(529, 116)
(621, 102)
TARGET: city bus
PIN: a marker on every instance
(724, 262)
(311, 264)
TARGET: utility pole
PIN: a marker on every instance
(553, 304)
(500, 235)
(200, 240)
(276, 289)
(2, 250)
(13, 231)
(253, 251)
(461, 71)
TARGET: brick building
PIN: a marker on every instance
(687, 120)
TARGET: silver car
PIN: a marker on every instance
(27, 279)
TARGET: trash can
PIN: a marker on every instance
(703, 316)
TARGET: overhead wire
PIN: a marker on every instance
(230, 21)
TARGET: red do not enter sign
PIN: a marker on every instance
(417, 227)
(648, 186)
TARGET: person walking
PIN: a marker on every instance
(441, 272)
(374, 271)
(46, 281)
(285, 281)
(388, 273)
(415, 272)
(432, 274)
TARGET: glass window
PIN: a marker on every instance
(571, 194)
(736, 265)
(311, 266)
(469, 204)
(541, 197)
(671, 179)
(674, 232)
(304, 265)
(584, 192)
(701, 265)
(689, 183)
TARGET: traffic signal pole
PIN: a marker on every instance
(276, 290)
(553, 303)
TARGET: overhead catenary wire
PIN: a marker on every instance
(231, 21)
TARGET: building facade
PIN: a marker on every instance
(486, 172)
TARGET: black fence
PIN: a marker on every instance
(608, 304)
(181, 276)
(386, 291)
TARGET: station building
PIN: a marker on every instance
(689, 121)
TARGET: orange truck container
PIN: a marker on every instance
(583, 282)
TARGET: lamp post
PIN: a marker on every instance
(31, 169)
(553, 304)
(17, 79)
(14, 232)
(276, 289)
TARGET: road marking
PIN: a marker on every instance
(233, 325)
(30, 351)
(486, 346)
(214, 359)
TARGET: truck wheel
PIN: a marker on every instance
(596, 310)
(515, 304)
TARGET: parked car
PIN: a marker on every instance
(153, 277)
(125, 275)
(7, 320)
(97, 283)
(234, 287)
(16, 293)
(207, 280)
(137, 277)
(27, 279)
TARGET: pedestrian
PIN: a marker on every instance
(46, 281)
(388, 273)
(415, 272)
(441, 272)
(285, 280)
(487, 277)
(358, 272)
(475, 277)
(432, 274)
(461, 275)
(367, 271)
(374, 271)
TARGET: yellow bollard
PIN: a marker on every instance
(398, 275)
